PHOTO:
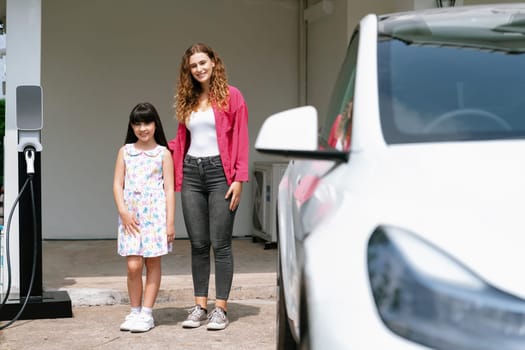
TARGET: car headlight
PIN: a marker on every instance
(425, 295)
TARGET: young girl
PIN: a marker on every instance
(210, 154)
(143, 188)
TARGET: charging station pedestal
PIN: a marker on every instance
(40, 304)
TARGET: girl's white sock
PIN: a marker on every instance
(136, 310)
(147, 310)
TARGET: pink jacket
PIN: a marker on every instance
(232, 138)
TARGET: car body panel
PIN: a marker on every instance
(463, 197)
(299, 183)
(479, 233)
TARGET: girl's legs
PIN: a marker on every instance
(135, 266)
(153, 278)
(134, 280)
(144, 321)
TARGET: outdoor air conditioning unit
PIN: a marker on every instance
(265, 185)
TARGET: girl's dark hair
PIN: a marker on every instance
(145, 113)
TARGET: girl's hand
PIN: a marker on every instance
(235, 193)
(171, 236)
(130, 223)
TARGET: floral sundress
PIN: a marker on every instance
(145, 197)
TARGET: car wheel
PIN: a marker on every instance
(304, 322)
(285, 340)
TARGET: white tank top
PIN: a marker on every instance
(203, 134)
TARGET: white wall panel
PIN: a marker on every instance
(23, 59)
(327, 35)
(100, 58)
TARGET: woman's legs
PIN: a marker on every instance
(216, 232)
(194, 208)
(209, 222)
(135, 265)
(153, 278)
(221, 229)
(194, 200)
(195, 211)
(221, 226)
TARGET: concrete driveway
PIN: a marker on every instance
(95, 278)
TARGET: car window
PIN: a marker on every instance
(337, 129)
(430, 92)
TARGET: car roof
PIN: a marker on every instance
(498, 27)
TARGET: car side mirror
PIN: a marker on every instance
(293, 133)
(291, 130)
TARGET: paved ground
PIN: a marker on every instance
(94, 277)
(252, 326)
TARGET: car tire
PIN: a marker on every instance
(304, 321)
(285, 339)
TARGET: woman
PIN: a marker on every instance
(210, 154)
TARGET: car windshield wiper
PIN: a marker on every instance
(508, 46)
(516, 26)
(396, 37)
(509, 29)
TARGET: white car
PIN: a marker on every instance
(401, 223)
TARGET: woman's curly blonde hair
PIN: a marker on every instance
(189, 89)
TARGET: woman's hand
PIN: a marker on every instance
(235, 193)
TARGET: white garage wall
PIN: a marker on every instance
(100, 58)
(326, 47)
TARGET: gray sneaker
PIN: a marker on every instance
(217, 319)
(196, 316)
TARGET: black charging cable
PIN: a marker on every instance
(29, 153)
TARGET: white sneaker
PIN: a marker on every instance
(143, 323)
(128, 321)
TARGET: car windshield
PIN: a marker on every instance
(452, 84)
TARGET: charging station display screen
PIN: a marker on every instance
(29, 107)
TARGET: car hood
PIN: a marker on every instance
(466, 198)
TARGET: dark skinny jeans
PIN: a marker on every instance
(209, 223)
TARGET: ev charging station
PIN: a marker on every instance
(31, 302)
